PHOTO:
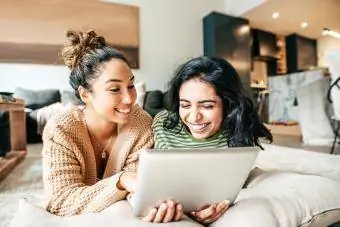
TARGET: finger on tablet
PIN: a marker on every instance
(206, 213)
(150, 216)
(160, 213)
(170, 212)
(179, 212)
(215, 217)
(222, 205)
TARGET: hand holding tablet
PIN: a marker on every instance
(195, 178)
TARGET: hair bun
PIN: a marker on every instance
(78, 44)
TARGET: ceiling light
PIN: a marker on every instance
(275, 15)
(327, 31)
(243, 29)
(304, 24)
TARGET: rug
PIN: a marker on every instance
(25, 180)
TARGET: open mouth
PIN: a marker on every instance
(198, 127)
(123, 111)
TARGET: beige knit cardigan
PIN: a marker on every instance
(69, 166)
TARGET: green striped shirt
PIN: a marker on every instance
(179, 137)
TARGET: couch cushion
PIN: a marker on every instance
(154, 100)
(285, 199)
(32, 128)
(68, 96)
(286, 159)
(118, 214)
(35, 99)
(271, 199)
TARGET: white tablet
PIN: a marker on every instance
(192, 177)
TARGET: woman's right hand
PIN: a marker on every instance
(167, 211)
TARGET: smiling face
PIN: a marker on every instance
(113, 93)
(201, 109)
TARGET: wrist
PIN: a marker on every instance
(123, 180)
(120, 183)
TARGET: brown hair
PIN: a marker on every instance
(84, 53)
(79, 43)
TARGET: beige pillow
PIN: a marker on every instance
(271, 199)
(119, 214)
(288, 159)
(285, 199)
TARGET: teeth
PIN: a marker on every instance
(198, 127)
(125, 111)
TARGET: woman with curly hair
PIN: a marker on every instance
(208, 109)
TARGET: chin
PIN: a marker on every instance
(121, 120)
(200, 136)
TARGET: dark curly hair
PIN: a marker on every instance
(241, 124)
(84, 53)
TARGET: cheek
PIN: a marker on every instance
(215, 116)
(108, 101)
(133, 95)
(182, 113)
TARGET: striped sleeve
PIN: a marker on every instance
(158, 130)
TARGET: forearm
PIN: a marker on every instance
(79, 198)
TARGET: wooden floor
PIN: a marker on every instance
(295, 142)
(291, 136)
(8, 162)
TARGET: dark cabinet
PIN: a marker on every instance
(264, 45)
(301, 53)
(229, 37)
(264, 48)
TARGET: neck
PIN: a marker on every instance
(101, 128)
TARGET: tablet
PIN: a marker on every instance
(192, 177)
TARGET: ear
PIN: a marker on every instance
(84, 94)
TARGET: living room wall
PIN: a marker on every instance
(170, 33)
(326, 44)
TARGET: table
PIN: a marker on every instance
(17, 122)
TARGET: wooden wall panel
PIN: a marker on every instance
(49, 53)
(34, 31)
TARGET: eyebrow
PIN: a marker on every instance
(200, 102)
(119, 81)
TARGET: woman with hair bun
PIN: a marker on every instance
(90, 154)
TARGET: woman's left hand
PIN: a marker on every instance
(127, 181)
(211, 213)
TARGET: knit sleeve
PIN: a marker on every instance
(143, 138)
(64, 184)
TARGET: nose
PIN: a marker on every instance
(194, 115)
(127, 98)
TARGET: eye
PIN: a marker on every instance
(115, 90)
(131, 87)
(208, 107)
(185, 106)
